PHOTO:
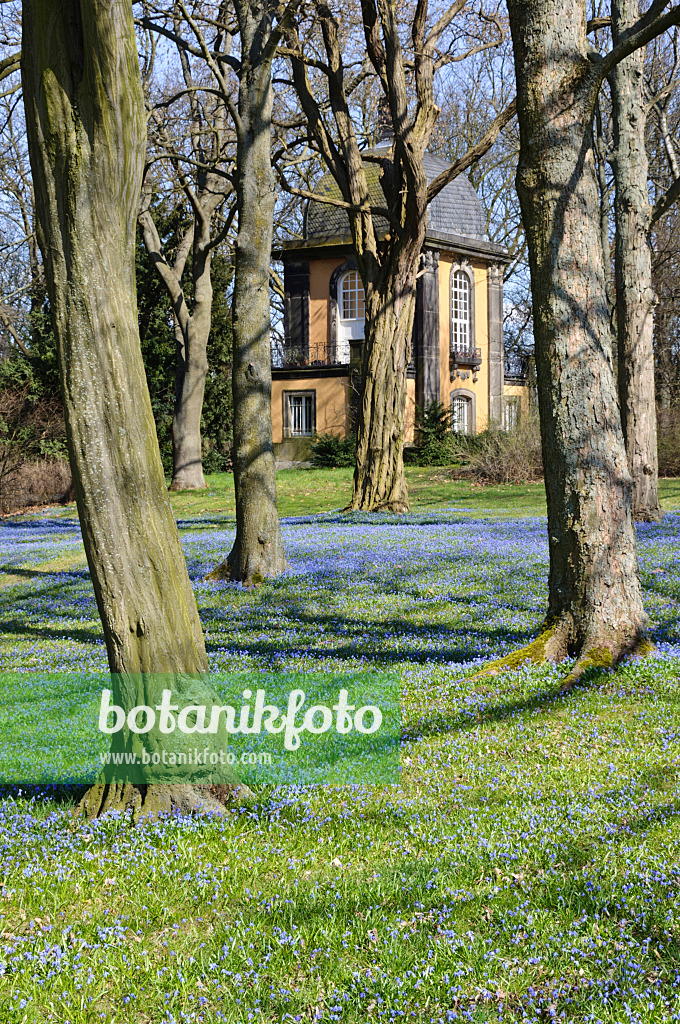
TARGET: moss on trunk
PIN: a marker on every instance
(595, 598)
(87, 133)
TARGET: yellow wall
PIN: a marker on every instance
(332, 403)
(520, 391)
(319, 299)
(410, 422)
(332, 393)
(480, 389)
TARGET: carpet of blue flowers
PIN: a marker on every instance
(527, 867)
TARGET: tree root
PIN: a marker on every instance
(648, 515)
(397, 507)
(222, 573)
(596, 657)
(552, 645)
(256, 570)
(150, 802)
(549, 645)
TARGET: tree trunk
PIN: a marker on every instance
(595, 605)
(81, 84)
(635, 297)
(379, 481)
(192, 368)
(258, 547)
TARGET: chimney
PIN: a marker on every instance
(385, 130)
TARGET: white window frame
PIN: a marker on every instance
(462, 328)
(350, 328)
(299, 419)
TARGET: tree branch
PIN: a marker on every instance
(595, 24)
(9, 65)
(378, 211)
(663, 205)
(646, 28)
(473, 154)
(11, 330)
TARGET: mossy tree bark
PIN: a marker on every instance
(595, 602)
(388, 265)
(86, 133)
(635, 299)
(257, 551)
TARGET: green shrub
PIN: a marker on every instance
(33, 462)
(493, 456)
(328, 451)
(435, 445)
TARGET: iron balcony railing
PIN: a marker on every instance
(466, 357)
(518, 365)
(287, 357)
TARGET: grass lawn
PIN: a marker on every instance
(526, 867)
(302, 491)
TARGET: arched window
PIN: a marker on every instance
(462, 412)
(462, 323)
(351, 312)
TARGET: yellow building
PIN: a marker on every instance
(457, 346)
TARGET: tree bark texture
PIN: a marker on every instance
(595, 604)
(379, 480)
(86, 132)
(191, 371)
(258, 547)
(635, 299)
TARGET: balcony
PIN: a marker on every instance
(519, 367)
(463, 362)
(289, 357)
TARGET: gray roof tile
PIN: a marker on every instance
(455, 211)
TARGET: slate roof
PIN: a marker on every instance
(455, 211)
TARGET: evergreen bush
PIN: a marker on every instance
(329, 451)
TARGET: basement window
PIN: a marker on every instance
(299, 413)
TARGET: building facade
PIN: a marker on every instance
(457, 345)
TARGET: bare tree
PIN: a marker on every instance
(635, 90)
(193, 113)
(21, 277)
(471, 96)
(258, 548)
(387, 263)
(595, 604)
(635, 299)
(662, 93)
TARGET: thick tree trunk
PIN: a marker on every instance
(379, 481)
(258, 547)
(635, 297)
(595, 605)
(192, 368)
(82, 86)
